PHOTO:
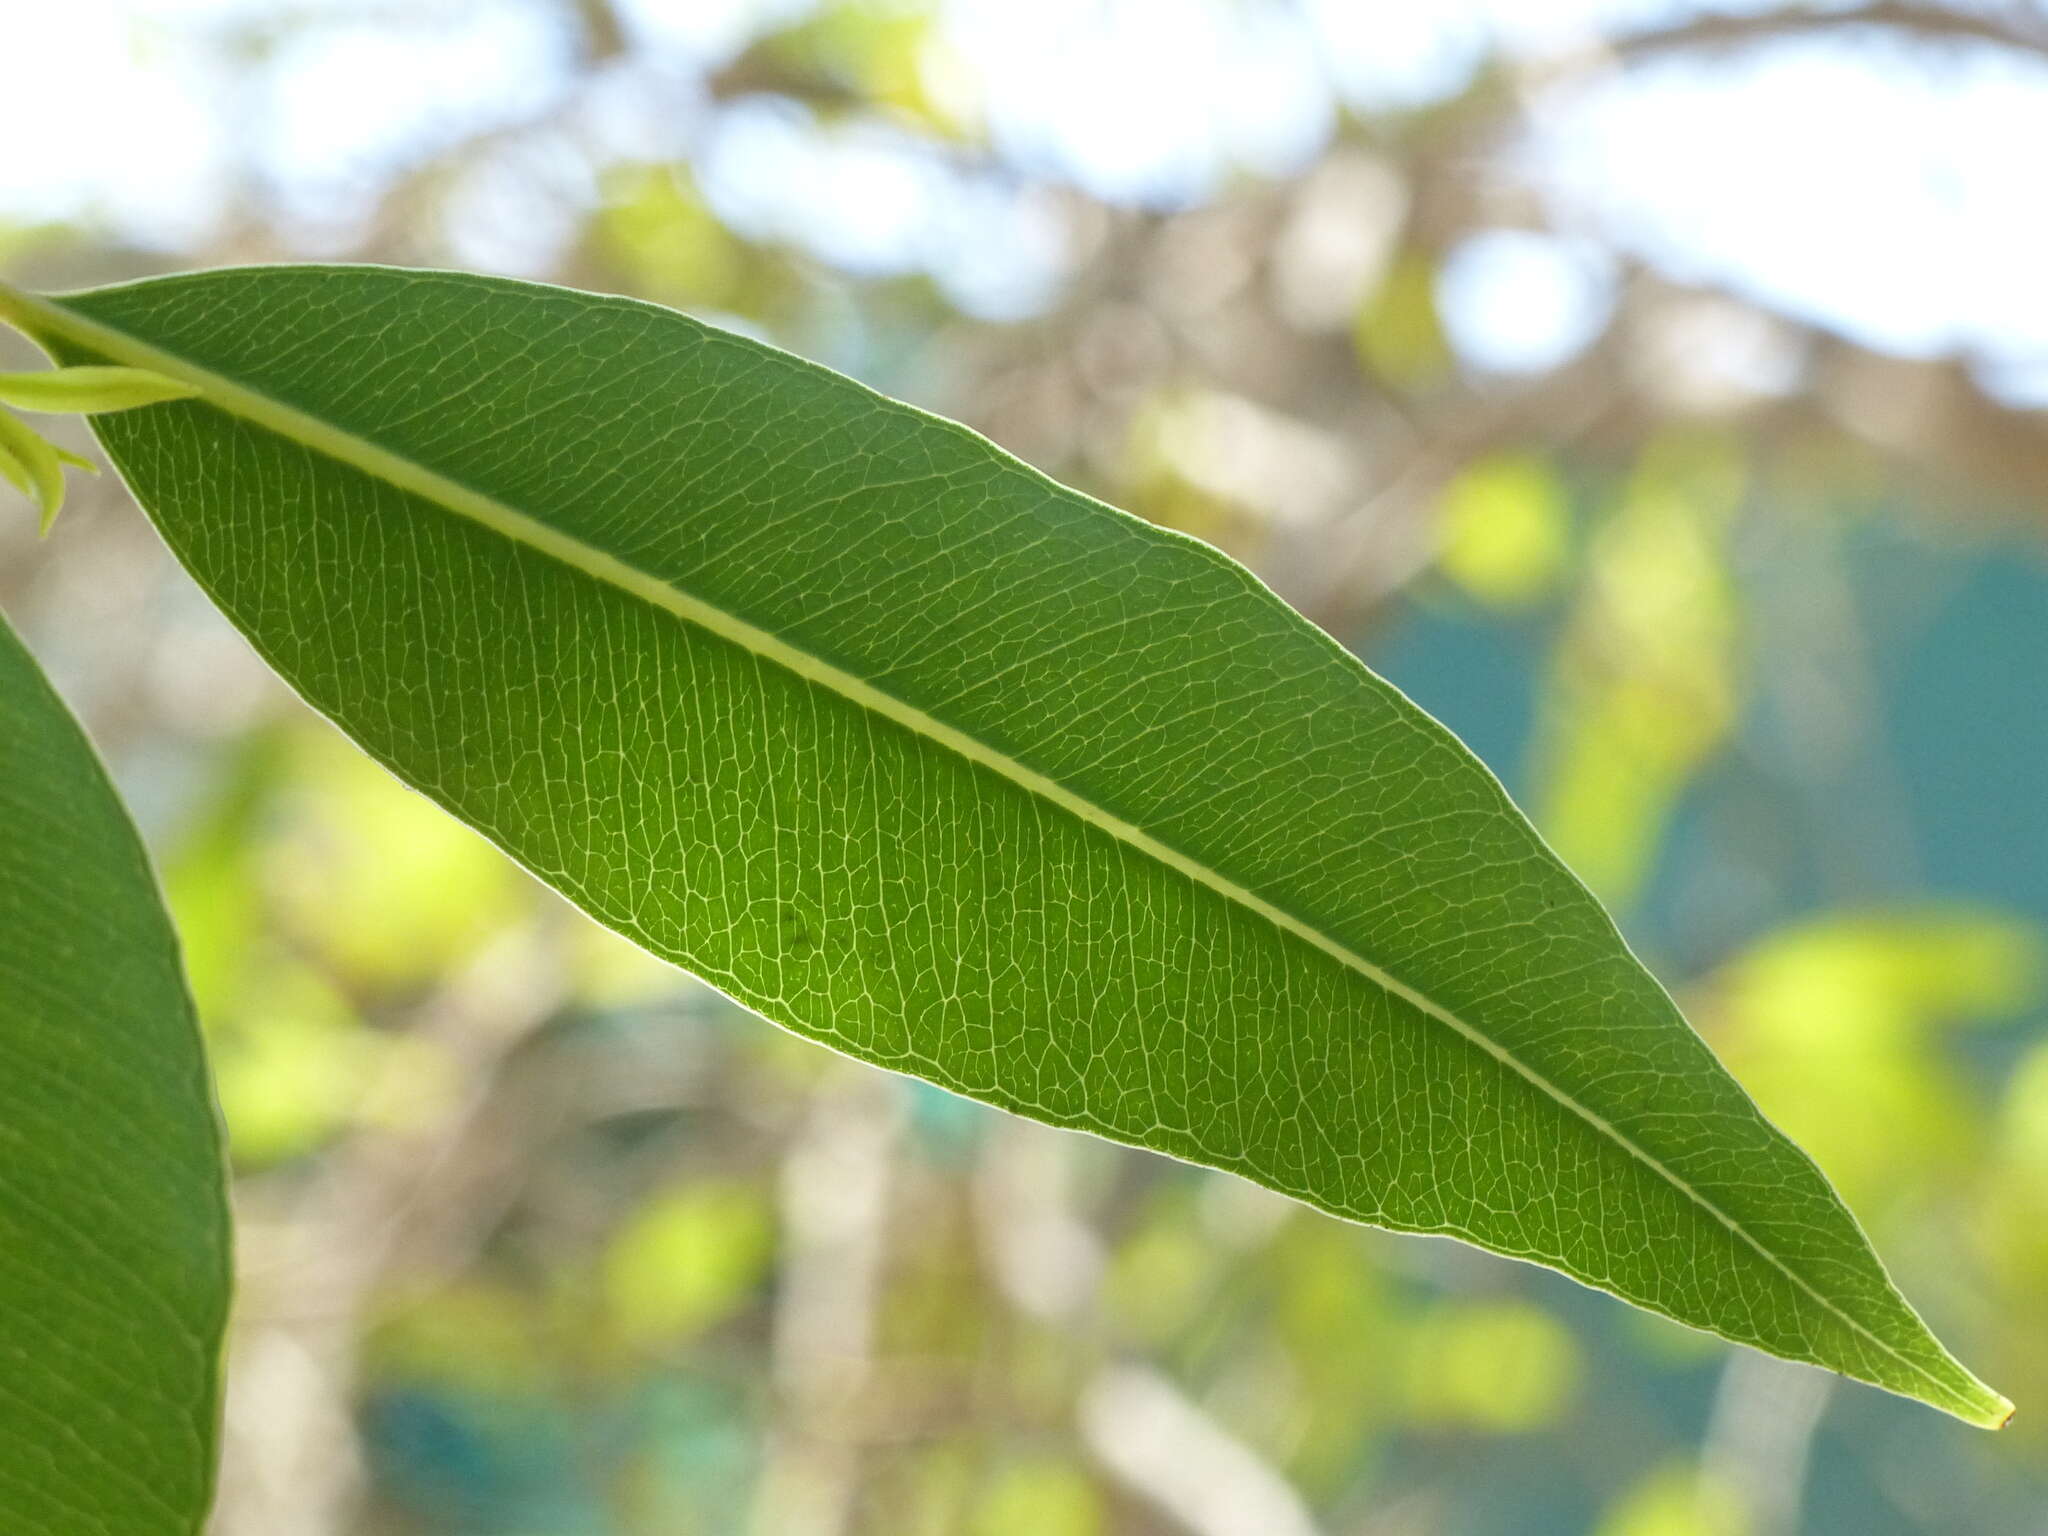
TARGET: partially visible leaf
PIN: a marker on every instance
(113, 1211)
(15, 472)
(65, 390)
(33, 464)
(960, 772)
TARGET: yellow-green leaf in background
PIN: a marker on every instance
(1505, 529)
(1505, 1367)
(1836, 1026)
(1678, 1500)
(1643, 688)
(1398, 334)
(687, 1260)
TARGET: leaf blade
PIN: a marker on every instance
(113, 1218)
(896, 609)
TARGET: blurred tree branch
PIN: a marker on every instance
(2011, 27)
(603, 34)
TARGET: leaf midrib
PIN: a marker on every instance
(451, 495)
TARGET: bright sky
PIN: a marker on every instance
(1894, 194)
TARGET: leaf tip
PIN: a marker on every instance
(1985, 1409)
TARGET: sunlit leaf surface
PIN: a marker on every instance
(113, 1216)
(960, 772)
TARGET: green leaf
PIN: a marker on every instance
(113, 1211)
(65, 390)
(34, 465)
(14, 471)
(961, 773)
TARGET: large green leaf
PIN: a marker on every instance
(113, 1212)
(960, 772)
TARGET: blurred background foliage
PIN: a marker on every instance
(1654, 392)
